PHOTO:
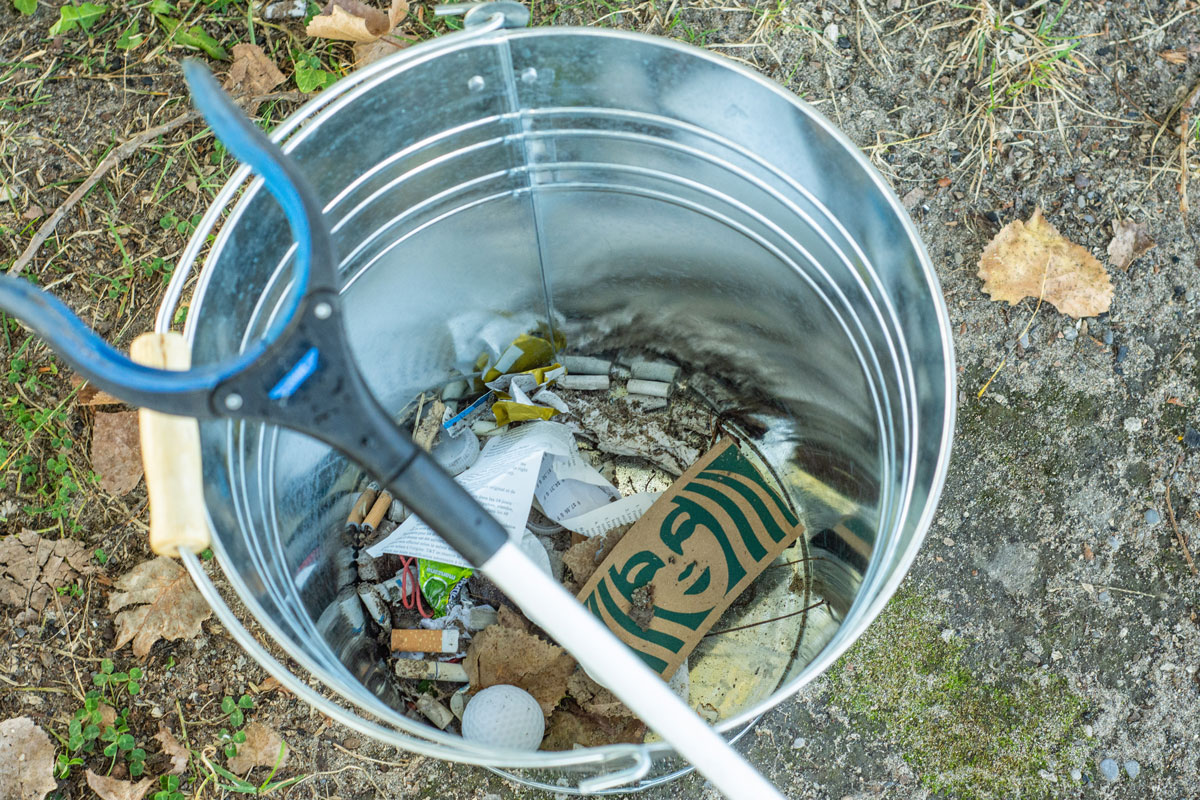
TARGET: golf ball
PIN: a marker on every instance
(504, 716)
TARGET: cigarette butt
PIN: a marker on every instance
(361, 507)
(645, 402)
(367, 569)
(374, 604)
(431, 671)
(458, 701)
(654, 370)
(434, 711)
(584, 383)
(586, 365)
(652, 388)
(419, 640)
(380, 507)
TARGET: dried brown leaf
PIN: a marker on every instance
(252, 71)
(1129, 241)
(117, 451)
(112, 789)
(1032, 259)
(355, 21)
(89, 395)
(571, 726)
(32, 568)
(594, 698)
(1174, 56)
(500, 654)
(167, 605)
(369, 52)
(108, 716)
(261, 749)
(583, 558)
(171, 747)
(26, 760)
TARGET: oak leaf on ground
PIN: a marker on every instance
(1032, 259)
(261, 749)
(32, 568)
(355, 21)
(171, 747)
(1129, 241)
(26, 760)
(117, 451)
(107, 788)
(252, 71)
(90, 395)
(368, 52)
(165, 605)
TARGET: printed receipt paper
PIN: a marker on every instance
(534, 459)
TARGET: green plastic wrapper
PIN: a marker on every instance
(438, 582)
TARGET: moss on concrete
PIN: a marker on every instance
(963, 735)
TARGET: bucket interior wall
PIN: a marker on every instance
(638, 196)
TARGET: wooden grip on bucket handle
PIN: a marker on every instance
(171, 457)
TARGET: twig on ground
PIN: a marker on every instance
(1185, 139)
(1179, 535)
(118, 154)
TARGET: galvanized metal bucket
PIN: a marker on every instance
(643, 193)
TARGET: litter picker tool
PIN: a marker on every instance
(302, 375)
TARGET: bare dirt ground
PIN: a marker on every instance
(1051, 622)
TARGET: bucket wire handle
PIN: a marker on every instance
(302, 375)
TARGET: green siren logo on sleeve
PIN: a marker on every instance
(698, 547)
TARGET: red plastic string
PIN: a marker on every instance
(407, 563)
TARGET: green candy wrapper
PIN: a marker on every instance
(438, 583)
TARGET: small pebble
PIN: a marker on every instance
(1047, 776)
(1132, 768)
(1076, 775)
(799, 743)
(1108, 337)
(1024, 340)
(844, 42)
(1103, 597)
(1110, 770)
(1179, 292)
(1152, 517)
(1070, 334)
(1114, 543)
(1082, 201)
(1089, 219)
(1189, 295)
(1133, 424)
(1191, 438)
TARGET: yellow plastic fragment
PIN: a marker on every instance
(507, 411)
(525, 353)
